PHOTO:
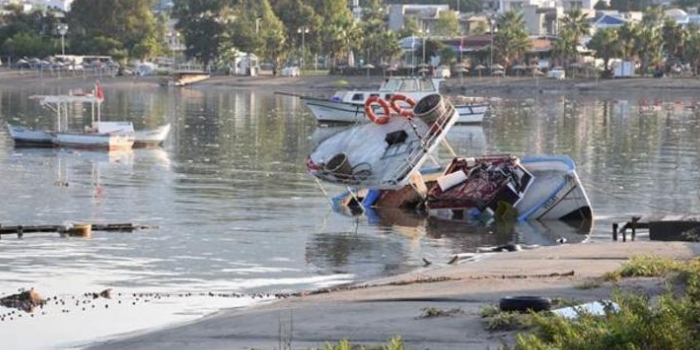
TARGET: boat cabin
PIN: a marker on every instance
(414, 87)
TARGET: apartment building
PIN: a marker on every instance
(501, 6)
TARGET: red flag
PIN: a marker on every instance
(98, 92)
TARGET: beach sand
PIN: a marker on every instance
(374, 312)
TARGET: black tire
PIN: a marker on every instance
(525, 304)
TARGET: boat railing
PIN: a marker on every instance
(361, 175)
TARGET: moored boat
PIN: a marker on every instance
(347, 106)
(149, 138)
(98, 135)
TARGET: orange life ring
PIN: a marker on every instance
(370, 113)
(408, 113)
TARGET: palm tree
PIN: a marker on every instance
(673, 37)
(577, 22)
(575, 25)
(565, 46)
(691, 52)
(511, 41)
(627, 35)
(648, 47)
(605, 43)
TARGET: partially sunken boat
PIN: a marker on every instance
(381, 165)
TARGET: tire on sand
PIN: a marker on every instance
(525, 304)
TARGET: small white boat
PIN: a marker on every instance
(348, 106)
(150, 138)
(99, 135)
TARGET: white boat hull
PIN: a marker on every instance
(556, 193)
(30, 137)
(151, 137)
(327, 111)
(95, 141)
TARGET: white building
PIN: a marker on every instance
(31, 5)
(501, 6)
(426, 15)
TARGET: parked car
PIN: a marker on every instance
(290, 72)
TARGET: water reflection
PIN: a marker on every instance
(354, 253)
(237, 212)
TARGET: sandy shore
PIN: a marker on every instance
(325, 85)
(372, 313)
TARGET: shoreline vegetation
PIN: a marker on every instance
(444, 306)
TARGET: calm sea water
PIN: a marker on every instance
(236, 212)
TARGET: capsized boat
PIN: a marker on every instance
(381, 165)
(347, 106)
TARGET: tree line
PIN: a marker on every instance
(287, 31)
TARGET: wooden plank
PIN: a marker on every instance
(119, 227)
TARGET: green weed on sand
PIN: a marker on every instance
(669, 322)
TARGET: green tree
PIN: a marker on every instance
(432, 48)
(574, 26)
(480, 28)
(337, 32)
(648, 41)
(511, 41)
(627, 36)
(605, 43)
(204, 25)
(691, 53)
(601, 5)
(297, 16)
(565, 48)
(27, 45)
(36, 25)
(378, 44)
(410, 28)
(447, 24)
(673, 37)
(130, 22)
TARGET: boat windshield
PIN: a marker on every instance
(391, 85)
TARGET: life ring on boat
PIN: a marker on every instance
(408, 113)
(370, 112)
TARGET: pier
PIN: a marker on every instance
(660, 228)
